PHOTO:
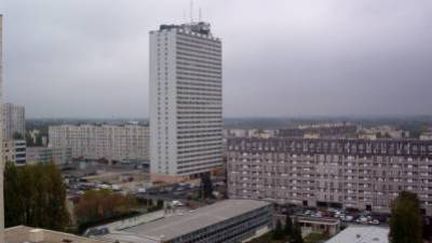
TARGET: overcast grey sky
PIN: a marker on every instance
(89, 58)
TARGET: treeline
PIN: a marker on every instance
(35, 195)
(101, 206)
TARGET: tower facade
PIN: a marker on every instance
(13, 121)
(185, 100)
(1, 135)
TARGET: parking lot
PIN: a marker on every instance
(345, 215)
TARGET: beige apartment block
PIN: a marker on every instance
(111, 142)
(350, 173)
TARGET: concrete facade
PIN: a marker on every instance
(119, 143)
(228, 221)
(59, 156)
(354, 173)
(15, 151)
(13, 120)
(185, 100)
(1, 134)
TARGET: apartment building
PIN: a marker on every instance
(111, 142)
(15, 151)
(185, 100)
(13, 120)
(56, 155)
(354, 173)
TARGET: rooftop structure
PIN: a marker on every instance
(361, 234)
(232, 219)
(20, 234)
(336, 130)
(195, 27)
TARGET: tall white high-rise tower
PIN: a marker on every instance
(1, 135)
(185, 100)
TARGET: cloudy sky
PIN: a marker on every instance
(89, 58)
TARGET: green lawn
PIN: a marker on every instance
(315, 238)
(267, 238)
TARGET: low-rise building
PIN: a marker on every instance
(20, 234)
(360, 234)
(225, 221)
(327, 226)
(59, 156)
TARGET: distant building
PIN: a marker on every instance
(57, 155)
(327, 130)
(426, 136)
(365, 234)
(110, 142)
(351, 173)
(15, 151)
(384, 131)
(185, 100)
(327, 226)
(13, 120)
(224, 221)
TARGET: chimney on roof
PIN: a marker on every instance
(36, 235)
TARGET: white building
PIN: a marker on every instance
(59, 155)
(13, 120)
(1, 134)
(111, 142)
(185, 100)
(361, 234)
(15, 151)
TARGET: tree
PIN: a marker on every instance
(99, 205)
(288, 229)
(12, 196)
(278, 234)
(35, 196)
(406, 221)
(29, 140)
(207, 186)
(296, 236)
(39, 140)
(17, 136)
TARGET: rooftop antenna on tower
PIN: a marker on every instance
(199, 15)
(191, 11)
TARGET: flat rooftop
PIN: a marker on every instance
(362, 234)
(20, 234)
(180, 224)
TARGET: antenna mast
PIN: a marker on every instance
(191, 11)
(199, 15)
